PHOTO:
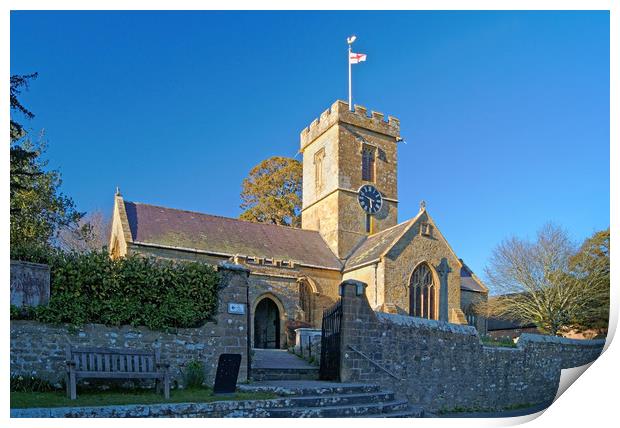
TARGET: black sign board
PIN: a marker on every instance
(227, 373)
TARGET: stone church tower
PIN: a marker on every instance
(343, 151)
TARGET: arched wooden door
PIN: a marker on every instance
(267, 325)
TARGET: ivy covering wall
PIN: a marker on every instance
(92, 288)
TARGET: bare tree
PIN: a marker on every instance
(535, 281)
(91, 233)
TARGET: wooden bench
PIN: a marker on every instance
(96, 363)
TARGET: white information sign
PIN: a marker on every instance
(236, 308)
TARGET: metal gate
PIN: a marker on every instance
(330, 343)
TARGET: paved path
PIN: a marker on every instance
(278, 359)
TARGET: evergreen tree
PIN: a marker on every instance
(38, 209)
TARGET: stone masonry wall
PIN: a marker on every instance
(39, 349)
(444, 366)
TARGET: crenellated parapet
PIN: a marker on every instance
(339, 112)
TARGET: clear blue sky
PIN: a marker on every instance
(505, 114)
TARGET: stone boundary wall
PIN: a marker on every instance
(30, 283)
(443, 366)
(39, 349)
(216, 409)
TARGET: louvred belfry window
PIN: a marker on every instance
(422, 293)
(368, 163)
(318, 169)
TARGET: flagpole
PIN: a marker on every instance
(350, 41)
(350, 96)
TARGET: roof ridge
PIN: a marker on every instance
(221, 216)
(374, 235)
(390, 228)
(377, 241)
(411, 222)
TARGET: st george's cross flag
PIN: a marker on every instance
(355, 58)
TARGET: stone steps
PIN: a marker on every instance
(411, 412)
(318, 399)
(304, 388)
(340, 411)
(342, 399)
(259, 374)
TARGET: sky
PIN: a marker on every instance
(505, 115)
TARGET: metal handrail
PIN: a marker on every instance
(375, 363)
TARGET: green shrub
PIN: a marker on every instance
(92, 288)
(16, 313)
(30, 383)
(506, 342)
(194, 374)
(33, 253)
(23, 312)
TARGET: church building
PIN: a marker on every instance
(350, 230)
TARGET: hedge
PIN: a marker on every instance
(92, 288)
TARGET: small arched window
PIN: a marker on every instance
(422, 293)
(305, 300)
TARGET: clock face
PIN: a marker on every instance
(370, 199)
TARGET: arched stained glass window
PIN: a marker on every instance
(422, 293)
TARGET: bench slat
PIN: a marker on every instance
(117, 375)
(121, 351)
(94, 360)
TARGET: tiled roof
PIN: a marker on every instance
(470, 284)
(506, 324)
(375, 245)
(191, 230)
(502, 324)
(468, 281)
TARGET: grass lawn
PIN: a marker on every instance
(134, 396)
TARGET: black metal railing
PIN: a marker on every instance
(330, 343)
